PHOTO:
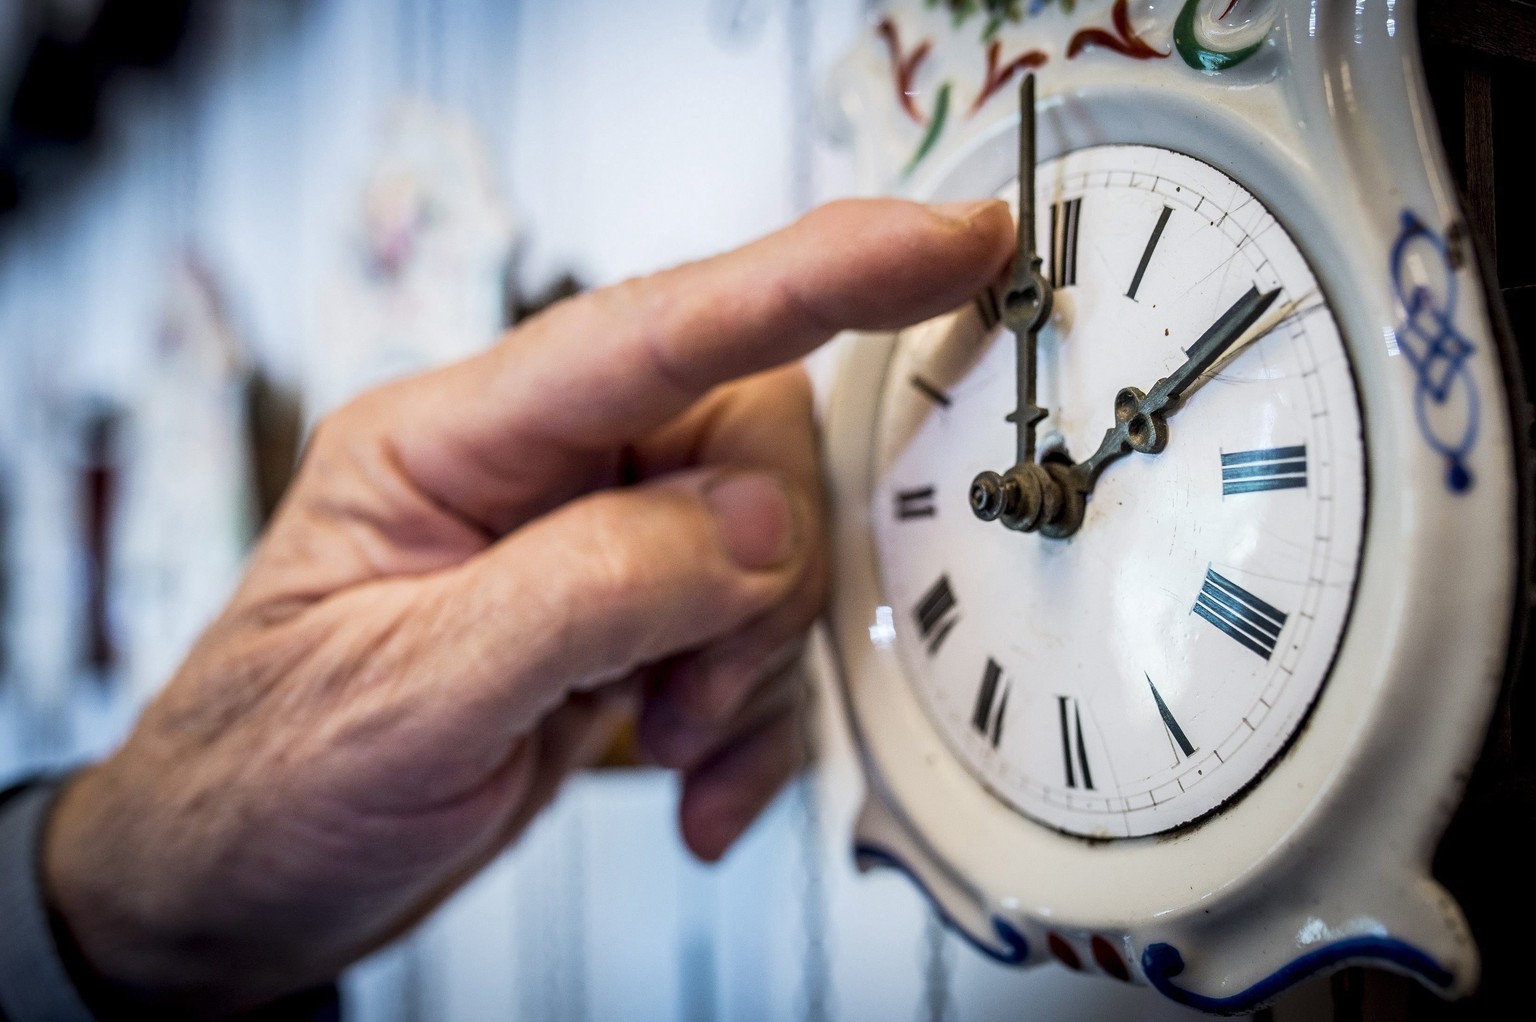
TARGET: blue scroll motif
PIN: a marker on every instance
(1015, 947)
(1446, 400)
(1161, 962)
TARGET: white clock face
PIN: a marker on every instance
(1136, 676)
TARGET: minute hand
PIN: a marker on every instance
(1140, 418)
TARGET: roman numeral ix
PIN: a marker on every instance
(1274, 468)
(935, 614)
(1074, 752)
(991, 703)
(1242, 616)
(916, 503)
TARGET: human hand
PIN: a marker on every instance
(472, 570)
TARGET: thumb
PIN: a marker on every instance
(622, 578)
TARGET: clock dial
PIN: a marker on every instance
(1135, 676)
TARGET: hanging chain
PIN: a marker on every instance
(437, 51)
(802, 100)
(815, 973)
(938, 968)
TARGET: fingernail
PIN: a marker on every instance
(964, 212)
(754, 518)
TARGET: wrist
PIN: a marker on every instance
(97, 905)
(125, 941)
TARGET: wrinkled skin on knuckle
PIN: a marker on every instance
(614, 571)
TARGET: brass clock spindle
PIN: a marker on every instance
(1025, 496)
(1027, 304)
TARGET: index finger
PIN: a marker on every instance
(598, 371)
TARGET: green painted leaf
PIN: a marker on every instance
(935, 129)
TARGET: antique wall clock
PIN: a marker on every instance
(1175, 574)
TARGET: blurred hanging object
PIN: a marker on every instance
(738, 24)
(187, 503)
(39, 425)
(274, 420)
(66, 53)
(815, 994)
(938, 967)
(98, 478)
(5, 572)
(420, 277)
(521, 306)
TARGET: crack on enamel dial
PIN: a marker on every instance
(1132, 678)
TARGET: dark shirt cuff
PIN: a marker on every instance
(34, 986)
(35, 983)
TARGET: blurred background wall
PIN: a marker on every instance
(220, 218)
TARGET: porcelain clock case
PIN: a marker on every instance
(1223, 717)
(1135, 676)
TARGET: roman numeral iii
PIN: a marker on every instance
(1074, 752)
(991, 702)
(1274, 468)
(1242, 616)
(935, 614)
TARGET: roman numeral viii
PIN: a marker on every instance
(935, 614)
(1242, 616)
(1074, 752)
(1274, 468)
(991, 703)
(1065, 217)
